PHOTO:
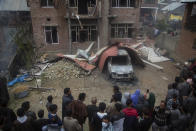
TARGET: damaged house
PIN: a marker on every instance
(66, 25)
(186, 47)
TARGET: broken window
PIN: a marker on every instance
(88, 33)
(123, 3)
(51, 34)
(47, 3)
(121, 30)
(74, 3)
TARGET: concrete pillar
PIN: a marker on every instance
(187, 12)
(104, 23)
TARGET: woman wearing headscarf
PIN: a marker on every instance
(135, 97)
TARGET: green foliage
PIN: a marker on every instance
(162, 25)
(24, 40)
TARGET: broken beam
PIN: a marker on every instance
(154, 65)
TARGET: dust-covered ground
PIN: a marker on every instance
(96, 85)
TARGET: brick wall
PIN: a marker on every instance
(39, 17)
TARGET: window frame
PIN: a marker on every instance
(51, 35)
(128, 4)
(89, 29)
(76, 6)
(47, 6)
(116, 28)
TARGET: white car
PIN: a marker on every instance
(120, 67)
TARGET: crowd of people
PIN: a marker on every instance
(126, 112)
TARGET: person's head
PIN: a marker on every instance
(106, 119)
(137, 92)
(115, 89)
(50, 98)
(129, 103)
(69, 112)
(147, 91)
(115, 98)
(40, 113)
(94, 100)
(174, 105)
(102, 107)
(145, 112)
(20, 112)
(3, 102)
(53, 108)
(162, 104)
(26, 105)
(118, 107)
(174, 85)
(178, 79)
(67, 91)
(82, 96)
(174, 97)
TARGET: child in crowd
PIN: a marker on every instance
(106, 124)
(50, 98)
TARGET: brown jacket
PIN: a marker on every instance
(79, 111)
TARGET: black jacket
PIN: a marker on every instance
(66, 100)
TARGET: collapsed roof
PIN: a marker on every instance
(113, 51)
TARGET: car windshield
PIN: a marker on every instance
(120, 60)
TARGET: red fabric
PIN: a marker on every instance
(130, 112)
(112, 51)
(192, 66)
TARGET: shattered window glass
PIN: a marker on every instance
(51, 34)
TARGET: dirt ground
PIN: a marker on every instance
(96, 85)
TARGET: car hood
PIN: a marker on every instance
(121, 69)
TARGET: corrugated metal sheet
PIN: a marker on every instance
(81, 63)
(185, 1)
(112, 51)
(172, 6)
(13, 5)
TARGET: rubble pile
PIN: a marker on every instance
(63, 69)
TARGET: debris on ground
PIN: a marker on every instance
(63, 69)
(20, 91)
(18, 79)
